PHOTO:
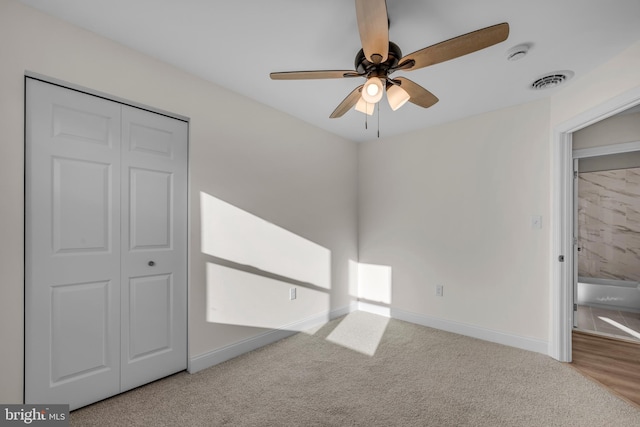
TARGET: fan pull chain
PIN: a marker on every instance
(378, 120)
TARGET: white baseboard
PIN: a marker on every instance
(374, 308)
(530, 344)
(344, 310)
(223, 354)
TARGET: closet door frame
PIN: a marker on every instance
(107, 96)
(185, 231)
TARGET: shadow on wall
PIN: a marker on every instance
(261, 275)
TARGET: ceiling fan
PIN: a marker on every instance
(379, 58)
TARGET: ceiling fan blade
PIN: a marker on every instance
(349, 102)
(319, 74)
(419, 95)
(457, 46)
(373, 25)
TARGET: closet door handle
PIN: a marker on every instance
(151, 263)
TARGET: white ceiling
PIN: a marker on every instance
(237, 44)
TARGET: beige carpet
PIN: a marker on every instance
(364, 370)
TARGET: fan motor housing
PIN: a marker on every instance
(368, 68)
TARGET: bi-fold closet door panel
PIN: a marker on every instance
(105, 246)
(154, 247)
(72, 265)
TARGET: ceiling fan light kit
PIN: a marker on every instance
(379, 58)
(372, 92)
(364, 107)
(396, 96)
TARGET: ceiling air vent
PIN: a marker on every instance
(518, 52)
(551, 80)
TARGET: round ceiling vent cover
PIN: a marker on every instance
(551, 80)
(518, 52)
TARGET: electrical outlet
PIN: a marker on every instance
(292, 294)
(439, 290)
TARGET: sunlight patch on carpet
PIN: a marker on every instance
(360, 331)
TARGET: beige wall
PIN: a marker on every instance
(451, 205)
(613, 130)
(269, 164)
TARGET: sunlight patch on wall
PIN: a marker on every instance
(235, 235)
(374, 288)
(374, 283)
(239, 298)
(288, 282)
(360, 331)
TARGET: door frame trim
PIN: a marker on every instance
(562, 217)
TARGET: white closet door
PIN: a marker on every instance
(106, 246)
(72, 292)
(154, 246)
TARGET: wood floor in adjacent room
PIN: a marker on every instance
(612, 362)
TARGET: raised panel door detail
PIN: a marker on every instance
(81, 205)
(150, 140)
(101, 179)
(150, 315)
(150, 209)
(154, 246)
(79, 330)
(80, 125)
(72, 246)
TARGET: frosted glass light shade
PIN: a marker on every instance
(397, 97)
(372, 91)
(364, 107)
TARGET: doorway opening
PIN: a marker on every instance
(564, 249)
(610, 362)
(606, 224)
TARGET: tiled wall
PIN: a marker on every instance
(609, 224)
